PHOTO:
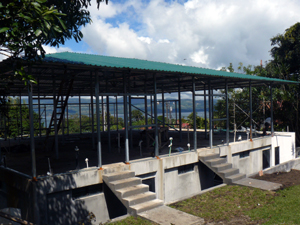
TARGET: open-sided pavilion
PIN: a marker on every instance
(109, 191)
(62, 75)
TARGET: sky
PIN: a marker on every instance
(202, 33)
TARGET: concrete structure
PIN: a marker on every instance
(108, 190)
(82, 196)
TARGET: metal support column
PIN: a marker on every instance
(130, 123)
(227, 112)
(32, 146)
(55, 102)
(250, 107)
(272, 119)
(179, 107)
(155, 116)
(99, 155)
(108, 123)
(126, 120)
(92, 113)
(194, 113)
(163, 103)
(79, 98)
(39, 110)
(205, 114)
(210, 100)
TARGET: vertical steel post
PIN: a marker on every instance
(21, 121)
(92, 114)
(55, 102)
(126, 120)
(227, 112)
(99, 153)
(155, 116)
(79, 114)
(108, 123)
(179, 107)
(272, 119)
(163, 103)
(32, 144)
(250, 107)
(130, 123)
(210, 100)
(205, 114)
(194, 113)
(39, 109)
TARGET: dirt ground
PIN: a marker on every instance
(287, 179)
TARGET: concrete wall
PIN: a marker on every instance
(173, 181)
(253, 163)
(81, 196)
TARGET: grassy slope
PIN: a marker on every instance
(229, 202)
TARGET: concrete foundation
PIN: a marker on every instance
(81, 196)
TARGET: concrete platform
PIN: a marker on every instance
(261, 184)
(165, 215)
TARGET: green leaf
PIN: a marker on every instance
(61, 23)
(38, 32)
(4, 29)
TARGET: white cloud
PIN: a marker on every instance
(206, 33)
(49, 49)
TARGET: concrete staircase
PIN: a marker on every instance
(222, 168)
(129, 189)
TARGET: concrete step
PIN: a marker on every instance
(119, 184)
(223, 166)
(138, 199)
(234, 178)
(135, 209)
(133, 190)
(229, 172)
(209, 156)
(213, 162)
(118, 176)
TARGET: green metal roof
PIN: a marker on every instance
(130, 63)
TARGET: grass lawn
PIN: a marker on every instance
(245, 205)
(239, 205)
(133, 221)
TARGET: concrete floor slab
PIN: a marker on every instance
(165, 215)
(261, 184)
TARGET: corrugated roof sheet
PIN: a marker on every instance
(130, 63)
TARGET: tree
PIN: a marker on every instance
(137, 115)
(200, 122)
(16, 120)
(27, 25)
